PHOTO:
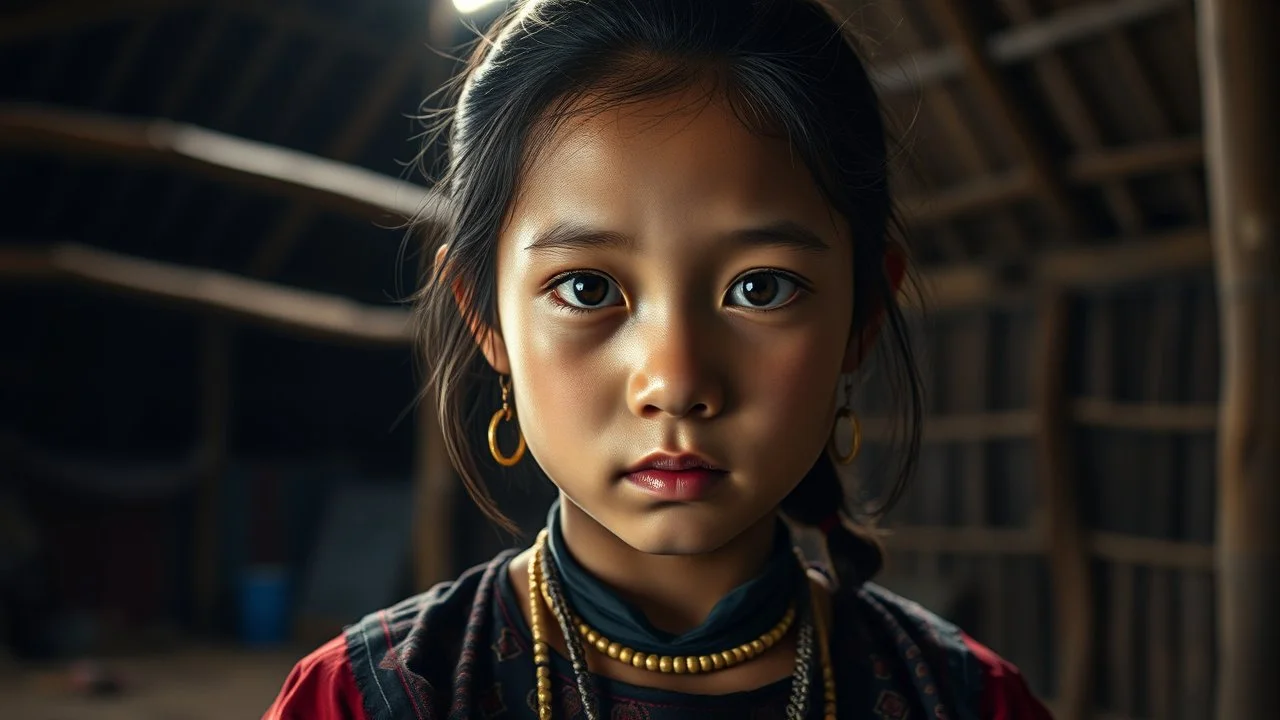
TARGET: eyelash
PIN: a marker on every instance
(802, 287)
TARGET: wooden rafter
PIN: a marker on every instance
(1081, 267)
(1101, 166)
(1069, 571)
(297, 311)
(940, 100)
(1154, 114)
(1021, 43)
(1077, 119)
(342, 187)
(956, 16)
(1143, 159)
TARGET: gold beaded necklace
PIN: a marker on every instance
(680, 664)
(538, 594)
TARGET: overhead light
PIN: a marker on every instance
(470, 6)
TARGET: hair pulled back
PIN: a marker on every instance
(787, 69)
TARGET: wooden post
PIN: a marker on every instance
(435, 499)
(1240, 71)
(1068, 561)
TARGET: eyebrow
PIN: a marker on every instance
(572, 236)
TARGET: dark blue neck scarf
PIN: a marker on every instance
(746, 613)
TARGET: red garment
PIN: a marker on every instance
(1005, 695)
(322, 686)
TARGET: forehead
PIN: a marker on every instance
(682, 164)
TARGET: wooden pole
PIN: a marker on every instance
(1240, 74)
(1067, 551)
(435, 489)
(436, 483)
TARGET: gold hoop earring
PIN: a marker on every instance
(505, 414)
(846, 413)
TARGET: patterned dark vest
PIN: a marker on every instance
(460, 651)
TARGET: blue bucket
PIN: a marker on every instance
(264, 606)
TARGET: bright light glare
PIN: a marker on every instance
(470, 6)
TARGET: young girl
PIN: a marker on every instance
(670, 255)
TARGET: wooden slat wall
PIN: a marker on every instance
(969, 535)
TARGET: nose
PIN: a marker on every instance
(676, 371)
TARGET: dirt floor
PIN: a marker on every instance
(194, 684)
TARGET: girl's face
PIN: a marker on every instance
(671, 285)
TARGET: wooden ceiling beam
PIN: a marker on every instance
(943, 103)
(979, 194)
(1071, 108)
(1127, 67)
(296, 311)
(343, 187)
(1079, 268)
(1021, 43)
(1099, 166)
(957, 18)
(1143, 159)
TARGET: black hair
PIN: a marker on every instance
(787, 67)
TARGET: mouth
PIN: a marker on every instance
(675, 478)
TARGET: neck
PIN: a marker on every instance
(675, 592)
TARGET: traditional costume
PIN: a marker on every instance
(465, 650)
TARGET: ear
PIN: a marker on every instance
(895, 268)
(487, 338)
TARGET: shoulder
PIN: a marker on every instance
(390, 663)
(1005, 695)
(406, 659)
(321, 686)
(974, 672)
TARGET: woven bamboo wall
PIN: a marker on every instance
(971, 536)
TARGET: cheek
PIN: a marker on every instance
(795, 388)
(565, 387)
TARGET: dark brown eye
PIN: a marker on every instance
(588, 291)
(762, 291)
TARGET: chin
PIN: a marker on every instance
(681, 531)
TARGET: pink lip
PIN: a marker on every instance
(677, 478)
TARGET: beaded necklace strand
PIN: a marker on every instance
(545, 589)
